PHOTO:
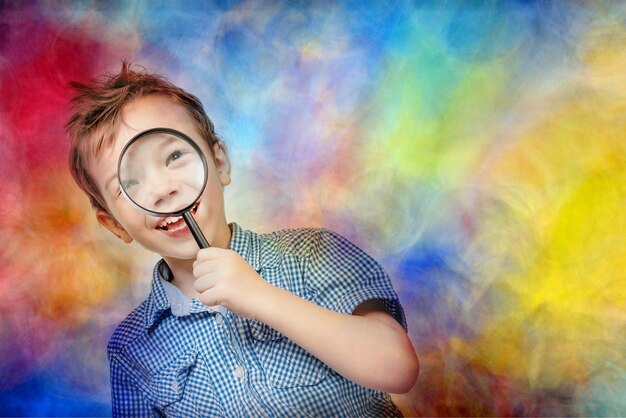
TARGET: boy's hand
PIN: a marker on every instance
(224, 278)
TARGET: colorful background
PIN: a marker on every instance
(477, 149)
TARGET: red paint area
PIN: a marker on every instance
(40, 60)
(50, 279)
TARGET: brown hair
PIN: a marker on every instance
(96, 116)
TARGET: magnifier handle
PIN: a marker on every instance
(195, 230)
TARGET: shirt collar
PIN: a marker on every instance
(158, 302)
(164, 295)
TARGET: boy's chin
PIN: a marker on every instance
(186, 251)
(180, 255)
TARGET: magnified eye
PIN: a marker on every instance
(127, 184)
(173, 157)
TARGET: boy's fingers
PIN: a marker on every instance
(211, 253)
(208, 298)
(203, 255)
(204, 283)
(203, 268)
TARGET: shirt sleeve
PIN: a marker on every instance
(342, 276)
(127, 400)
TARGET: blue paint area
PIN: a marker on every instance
(46, 395)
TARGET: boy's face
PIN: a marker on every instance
(172, 240)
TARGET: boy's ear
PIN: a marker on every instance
(112, 225)
(222, 162)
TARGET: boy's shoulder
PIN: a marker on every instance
(302, 241)
(132, 327)
(319, 244)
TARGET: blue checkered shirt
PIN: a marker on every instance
(173, 356)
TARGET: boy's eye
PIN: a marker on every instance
(127, 184)
(173, 157)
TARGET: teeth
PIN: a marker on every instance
(172, 219)
(168, 221)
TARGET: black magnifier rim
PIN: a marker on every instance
(172, 132)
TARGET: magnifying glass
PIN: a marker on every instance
(163, 172)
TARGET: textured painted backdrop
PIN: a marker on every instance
(476, 149)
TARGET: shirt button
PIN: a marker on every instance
(239, 372)
(219, 319)
(175, 385)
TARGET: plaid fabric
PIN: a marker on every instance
(173, 356)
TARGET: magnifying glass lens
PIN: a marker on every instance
(162, 171)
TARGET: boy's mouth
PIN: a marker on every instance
(174, 223)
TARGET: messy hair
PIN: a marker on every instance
(96, 113)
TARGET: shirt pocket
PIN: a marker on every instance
(286, 364)
(169, 383)
(163, 388)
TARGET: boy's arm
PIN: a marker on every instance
(368, 347)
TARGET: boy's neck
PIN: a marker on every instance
(182, 270)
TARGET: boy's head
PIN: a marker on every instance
(107, 114)
(96, 118)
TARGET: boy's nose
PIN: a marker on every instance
(164, 196)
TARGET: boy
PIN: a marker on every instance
(311, 325)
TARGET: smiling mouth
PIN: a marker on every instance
(174, 223)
